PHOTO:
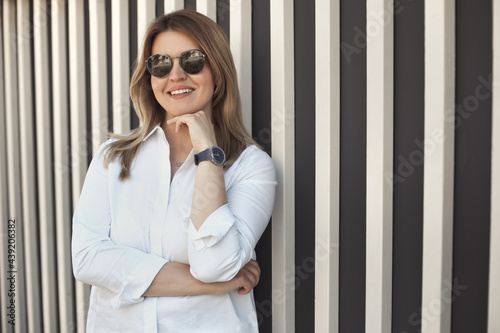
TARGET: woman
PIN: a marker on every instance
(169, 215)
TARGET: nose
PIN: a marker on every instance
(177, 73)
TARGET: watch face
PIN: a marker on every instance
(218, 155)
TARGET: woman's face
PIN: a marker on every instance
(200, 87)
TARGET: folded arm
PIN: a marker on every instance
(224, 242)
(175, 279)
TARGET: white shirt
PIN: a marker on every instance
(124, 232)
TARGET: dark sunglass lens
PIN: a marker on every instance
(159, 65)
(192, 62)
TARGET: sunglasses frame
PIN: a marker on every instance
(172, 61)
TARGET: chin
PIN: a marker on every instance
(188, 110)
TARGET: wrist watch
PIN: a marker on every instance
(213, 154)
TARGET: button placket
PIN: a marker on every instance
(161, 202)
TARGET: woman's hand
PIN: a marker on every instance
(174, 279)
(200, 129)
(246, 279)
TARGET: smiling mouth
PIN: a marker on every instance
(180, 91)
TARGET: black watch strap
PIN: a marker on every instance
(202, 156)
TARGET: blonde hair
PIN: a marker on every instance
(230, 132)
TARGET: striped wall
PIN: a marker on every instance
(382, 117)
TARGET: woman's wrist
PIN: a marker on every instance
(219, 288)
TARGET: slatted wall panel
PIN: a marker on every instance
(408, 164)
(386, 218)
(379, 153)
(28, 162)
(438, 166)
(4, 202)
(353, 104)
(328, 172)
(282, 131)
(16, 263)
(46, 213)
(494, 271)
(78, 124)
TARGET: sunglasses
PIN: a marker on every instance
(191, 61)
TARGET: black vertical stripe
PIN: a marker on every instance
(34, 159)
(472, 166)
(134, 120)
(408, 165)
(160, 8)
(304, 30)
(109, 65)
(223, 15)
(190, 4)
(72, 311)
(352, 165)
(87, 80)
(261, 127)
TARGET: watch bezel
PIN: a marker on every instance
(214, 159)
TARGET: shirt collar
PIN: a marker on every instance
(152, 131)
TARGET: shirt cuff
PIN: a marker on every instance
(138, 281)
(212, 230)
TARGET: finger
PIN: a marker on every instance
(254, 269)
(178, 125)
(243, 291)
(247, 279)
(252, 264)
(174, 120)
(246, 287)
(252, 277)
(256, 264)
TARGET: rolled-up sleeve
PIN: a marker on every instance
(226, 240)
(97, 260)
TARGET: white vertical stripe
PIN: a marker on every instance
(438, 166)
(98, 72)
(61, 166)
(26, 121)
(79, 135)
(44, 167)
(326, 306)
(209, 7)
(379, 157)
(282, 131)
(4, 194)
(145, 14)
(120, 66)
(241, 48)
(13, 158)
(494, 286)
(172, 5)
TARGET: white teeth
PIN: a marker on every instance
(181, 91)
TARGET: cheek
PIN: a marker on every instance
(208, 77)
(157, 85)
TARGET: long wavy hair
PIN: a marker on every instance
(230, 132)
